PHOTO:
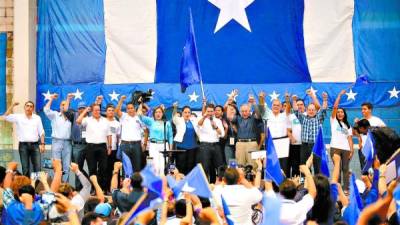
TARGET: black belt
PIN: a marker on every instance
(280, 137)
(100, 144)
(130, 142)
(79, 142)
(209, 143)
(246, 140)
(29, 143)
(156, 141)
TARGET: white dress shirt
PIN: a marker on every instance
(131, 127)
(239, 200)
(296, 128)
(278, 124)
(96, 130)
(60, 125)
(295, 213)
(115, 128)
(207, 133)
(28, 129)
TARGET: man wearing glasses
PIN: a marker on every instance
(30, 135)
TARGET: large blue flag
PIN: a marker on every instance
(351, 213)
(320, 151)
(154, 186)
(227, 212)
(368, 151)
(273, 168)
(190, 67)
(195, 182)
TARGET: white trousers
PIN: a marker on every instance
(158, 158)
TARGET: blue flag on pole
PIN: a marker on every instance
(320, 151)
(195, 182)
(127, 165)
(190, 67)
(352, 211)
(272, 210)
(273, 168)
(227, 212)
(154, 186)
(368, 151)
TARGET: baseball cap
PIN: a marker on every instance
(103, 209)
(82, 104)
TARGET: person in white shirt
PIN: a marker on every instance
(131, 133)
(61, 147)
(366, 111)
(239, 194)
(185, 139)
(341, 140)
(29, 133)
(295, 213)
(278, 124)
(210, 130)
(99, 145)
(115, 128)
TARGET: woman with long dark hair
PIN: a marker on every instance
(341, 140)
(185, 139)
(324, 209)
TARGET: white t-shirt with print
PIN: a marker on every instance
(340, 135)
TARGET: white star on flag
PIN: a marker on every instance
(274, 96)
(78, 94)
(193, 97)
(351, 95)
(232, 10)
(233, 95)
(394, 93)
(187, 188)
(114, 96)
(47, 95)
(313, 91)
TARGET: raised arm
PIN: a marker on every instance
(118, 109)
(68, 101)
(114, 179)
(99, 100)
(309, 181)
(9, 110)
(314, 99)
(294, 103)
(86, 186)
(336, 104)
(55, 184)
(48, 104)
(82, 115)
(97, 188)
(203, 107)
(324, 100)
(287, 101)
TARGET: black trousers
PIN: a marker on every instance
(294, 160)
(210, 157)
(186, 161)
(30, 155)
(305, 152)
(111, 159)
(96, 157)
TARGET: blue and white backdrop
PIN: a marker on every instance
(113, 47)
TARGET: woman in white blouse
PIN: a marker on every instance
(341, 140)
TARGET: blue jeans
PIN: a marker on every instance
(61, 149)
(29, 152)
(229, 153)
(134, 151)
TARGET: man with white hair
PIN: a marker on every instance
(279, 125)
(247, 132)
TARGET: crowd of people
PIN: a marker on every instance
(223, 139)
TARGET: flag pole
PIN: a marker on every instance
(197, 55)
